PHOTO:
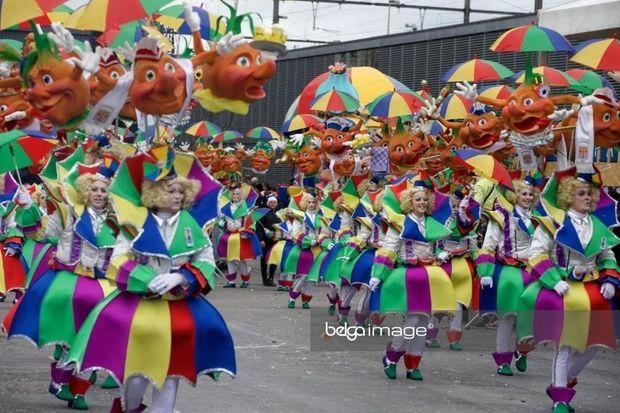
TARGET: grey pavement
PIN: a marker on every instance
(277, 372)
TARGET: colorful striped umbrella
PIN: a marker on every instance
(531, 38)
(21, 150)
(599, 54)
(127, 33)
(368, 83)
(477, 70)
(106, 15)
(496, 92)
(436, 128)
(262, 133)
(335, 101)
(60, 14)
(395, 104)
(455, 107)
(174, 17)
(203, 129)
(485, 165)
(553, 77)
(227, 136)
(589, 79)
(14, 12)
(300, 122)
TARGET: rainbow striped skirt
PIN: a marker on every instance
(279, 253)
(54, 307)
(580, 319)
(509, 282)
(12, 272)
(300, 260)
(420, 289)
(234, 248)
(357, 271)
(461, 273)
(129, 335)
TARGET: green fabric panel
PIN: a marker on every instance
(313, 274)
(394, 292)
(179, 242)
(509, 289)
(139, 279)
(525, 316)
(485, 269)
(290, 266)
(27, 217)
(56, 320)
(207, 269)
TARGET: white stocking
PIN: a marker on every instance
(134, 390)
(559, 372)
(164, 398)
(506, 334)
(457, 321)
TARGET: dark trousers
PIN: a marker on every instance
(267, 273)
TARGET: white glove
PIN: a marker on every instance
(23, 198)
(5, 70)
(374, 283)
(166, 282)
(231, 227)
(277, 144)
(185, 146)
(608, 290)
(466, 90)
(330, 246)
(614, 75)
(560, 114)
(88, 59)
(443, 256)
(10, 251)
(62, 37)
(486, 282)
(17, 115)
(561, 287)
(191, 17)
(228, 42)
(430, 108)
(296, 139)
(128, 51)
(590, 99)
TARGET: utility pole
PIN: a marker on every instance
(538, 4)
(276, 11)
(466, 11)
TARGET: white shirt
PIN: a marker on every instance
(97, 217)
(582, 224)
(420, 221)
(525, 214)
(167, 225)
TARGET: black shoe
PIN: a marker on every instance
(270, 282)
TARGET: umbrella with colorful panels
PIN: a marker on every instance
(262, 133)
(477, 70)
(599, 54)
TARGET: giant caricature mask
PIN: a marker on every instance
(56, 88)
(405, 149)
(110, 71)
(334, 135)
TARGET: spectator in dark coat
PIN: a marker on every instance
(266, 232)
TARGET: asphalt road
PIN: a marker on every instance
(278, 372)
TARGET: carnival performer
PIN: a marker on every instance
(238, 244)
(501, 266)
(278, 254)
(12, 271)
(577, 277)
(56, 304)
(460, 269)
(406, 277)
(338, 228)
(357, 267)
(164, 328)
(308, 233)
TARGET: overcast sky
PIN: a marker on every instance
(329, 22)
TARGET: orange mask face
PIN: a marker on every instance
(105, 81)
(480, 131)
(230, 163)
(239, 75)
(208, 158)
(158, 87)
(405, 150)
(11, 104)
(57, 90)
(345, 167)
(332, 140)
(308, 160)
(528, 109)
(606, 125)
(260, 161)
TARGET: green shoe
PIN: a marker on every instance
(291, 304)
(331, 310)
(561, 408)
(215, 375)
(58, 352)
(343, 321)
(389, 369)
(244, 285)
(93, 377)
(305, 305)
(432, 343)
(505, 370)
(230, 285)
(109, 383)
(456, 346)
(79, 403)
(282, 289)
(520, 361)
(64, 393)
(415, 374)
